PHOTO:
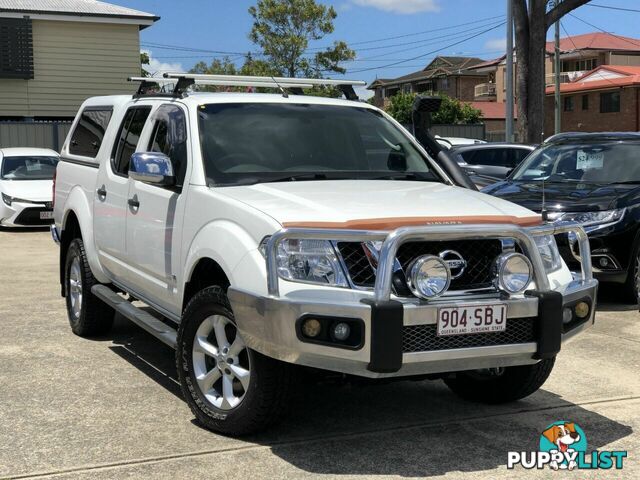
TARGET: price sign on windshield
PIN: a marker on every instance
(589, 160)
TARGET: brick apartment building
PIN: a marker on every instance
(606, 98)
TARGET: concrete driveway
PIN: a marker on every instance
(111, 408)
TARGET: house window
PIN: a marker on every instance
(609, 102)
(406, 88)
(585, 102)
(16, 51)
(444, 84)
(568, 104)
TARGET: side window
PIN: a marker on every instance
(127, 139)
(169, 136)
(89, 132)
(494, 157)
(516, 156)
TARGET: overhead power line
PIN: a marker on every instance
(413, 34)
(609, 7)
(470, 37)
(183, 48)
(624, 39)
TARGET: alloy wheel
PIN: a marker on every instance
(75, 287)
(221, 362)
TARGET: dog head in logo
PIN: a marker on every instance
(563, 435)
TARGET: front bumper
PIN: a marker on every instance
(268, 322)
(21, 214)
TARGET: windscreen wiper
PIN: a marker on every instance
(405, 176)
(301, 177)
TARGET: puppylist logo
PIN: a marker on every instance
(563, 446)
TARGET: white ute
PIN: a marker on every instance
(273, 232)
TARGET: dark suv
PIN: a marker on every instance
(594, 179)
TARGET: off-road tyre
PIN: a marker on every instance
(513, 384)
(268, 394)
(94, 317)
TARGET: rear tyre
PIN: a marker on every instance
(88, 315)
(501, 385)
(230, 388)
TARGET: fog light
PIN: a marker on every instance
(341, 331)
(604, 261)
(311, 327)
(429, 277)
(582, 309)
(567, 315)
(514, 272)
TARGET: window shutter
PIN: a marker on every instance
(16, 48)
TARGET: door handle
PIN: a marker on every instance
(133, 202)
(102, 192)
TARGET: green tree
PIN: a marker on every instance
(452, 110)
(144, 60)
(283, 30)
(400, 107)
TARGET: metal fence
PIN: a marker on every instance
(34, 134)
(465, 131)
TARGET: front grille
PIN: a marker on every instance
(479, 254)
(423, 338)
(31, 216)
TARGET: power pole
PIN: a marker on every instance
(509, 107)
(556, 68)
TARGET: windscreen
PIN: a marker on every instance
(601, 162)
(245, 143)
(28, 168)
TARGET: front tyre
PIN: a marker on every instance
(230, 388)
(501, 385)
(88, 315)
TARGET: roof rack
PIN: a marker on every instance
(183, 81)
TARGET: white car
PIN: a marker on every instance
(450, 142)
(26, 181)
(273, 231)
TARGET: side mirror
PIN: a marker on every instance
(152, 167)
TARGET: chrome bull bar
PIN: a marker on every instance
(394, 239)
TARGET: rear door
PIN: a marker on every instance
(110, 203)
(154, 226)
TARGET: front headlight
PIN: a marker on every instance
(587, 219)
(310, 261)
(549, 252)
(7, 199)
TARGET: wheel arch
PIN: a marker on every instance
(205, 272)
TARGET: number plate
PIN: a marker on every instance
(472, 319)
(46, 215)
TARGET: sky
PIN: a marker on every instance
(193, 30)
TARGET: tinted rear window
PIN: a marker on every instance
(89, 132)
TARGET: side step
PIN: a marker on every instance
(148, 322)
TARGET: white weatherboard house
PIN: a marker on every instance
(56, 53)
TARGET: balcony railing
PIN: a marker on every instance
(565, 77)
(484, 90)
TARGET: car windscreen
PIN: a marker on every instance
(28, 168)
(588, 162)
(244, 143)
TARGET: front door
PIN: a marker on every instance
(111, 193)
(154, 224)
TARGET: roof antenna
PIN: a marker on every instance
(284, 92)
(543, 210)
